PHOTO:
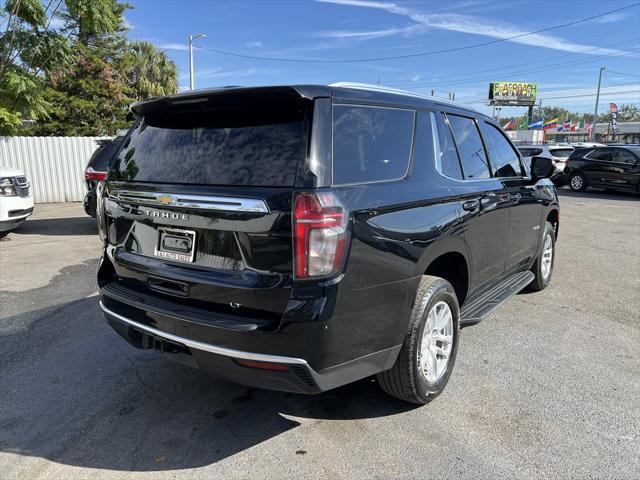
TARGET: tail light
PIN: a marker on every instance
(91, 174)
(320, 234)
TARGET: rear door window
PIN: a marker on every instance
(447, 159)
(505, 160)
(371, 144)
(601, 154)
(474, 159)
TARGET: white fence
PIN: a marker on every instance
(54, 165)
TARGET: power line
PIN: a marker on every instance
(419, 54)
(621, 73)
(518, 72)
(406, 83)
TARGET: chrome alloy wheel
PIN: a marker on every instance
(547, 257)
(437, 342)
(576, 182)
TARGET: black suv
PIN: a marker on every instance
(300, 238)
(97, 169)
(612, 167)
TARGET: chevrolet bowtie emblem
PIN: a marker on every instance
(165, 199)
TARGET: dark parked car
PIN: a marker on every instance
(612, 167)
(303, 237)
(96, 170)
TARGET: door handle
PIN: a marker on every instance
(515, 197)
(471, 205)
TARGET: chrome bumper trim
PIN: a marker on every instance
(227, 352)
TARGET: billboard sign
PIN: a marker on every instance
(512, 93)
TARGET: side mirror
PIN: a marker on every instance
(542, 167)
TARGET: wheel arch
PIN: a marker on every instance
(448, 260)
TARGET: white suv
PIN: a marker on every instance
(558, 153)
(16, 201)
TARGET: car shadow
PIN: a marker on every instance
(58, 226)
(77, 394)
(600, 194)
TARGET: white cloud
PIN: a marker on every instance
(221, 73)
(612, 18)
(253, 44)
(370, 35)
(174, 46)
(478, 26)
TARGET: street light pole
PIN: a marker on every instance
(191, 38)
(595, 114)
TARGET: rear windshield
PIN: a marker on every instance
(250, 144)
(103, 156)
(561, 152)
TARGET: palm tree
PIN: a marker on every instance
(150, 72)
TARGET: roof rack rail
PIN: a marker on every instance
(380, 88)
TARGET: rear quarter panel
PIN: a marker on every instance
(398, 227)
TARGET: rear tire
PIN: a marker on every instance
(420, 373)
(577, 182)
(543, 266)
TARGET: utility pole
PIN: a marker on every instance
(595, 114)
(191, 38)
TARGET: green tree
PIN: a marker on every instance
(149, 71)
(28, 48)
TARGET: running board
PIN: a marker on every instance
(489, 301)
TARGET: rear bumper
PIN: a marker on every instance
(294, 374)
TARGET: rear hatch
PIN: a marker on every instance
(198, 207)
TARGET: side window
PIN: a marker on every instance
(603, 154)
(370, 143)
(525, 152)
(504, 158)
(623, 156)
(474, 159)
(447, 160)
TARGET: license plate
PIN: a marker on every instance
(178, 245)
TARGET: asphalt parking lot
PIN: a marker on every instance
(546, 387)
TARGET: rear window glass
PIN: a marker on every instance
(104, 155)
(234, 145)
(370, 144)
(561, 152)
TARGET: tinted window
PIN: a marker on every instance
(600, 154)
(472, 154)
(525, 152)
(623, 156)
(239, 145)
(561, 152)
(503, 157)
(447, 159)
(370, 144)
(105, 153)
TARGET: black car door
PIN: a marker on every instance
(485, 203)
(525, 208)
(623, 170)
(597, 163)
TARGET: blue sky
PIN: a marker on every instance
(564, 61)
